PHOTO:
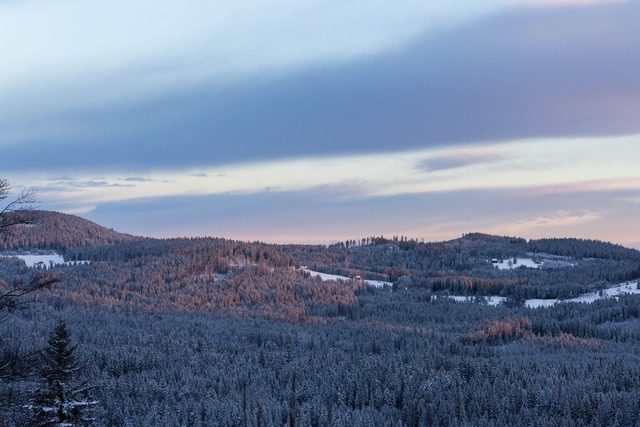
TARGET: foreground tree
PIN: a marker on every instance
(62, 400)
(18, 366)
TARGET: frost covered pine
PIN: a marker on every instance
(61, 400)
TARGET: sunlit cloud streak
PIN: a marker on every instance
(552, 166)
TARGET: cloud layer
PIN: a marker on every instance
(320, 119)
(523, 74)
(558, 192)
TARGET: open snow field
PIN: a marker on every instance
(492, 300)
(509, 264)
(325, 276)
(45, 261)
(612, 292)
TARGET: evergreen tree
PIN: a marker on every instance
(62, 401)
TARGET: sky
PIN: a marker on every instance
(309, 121)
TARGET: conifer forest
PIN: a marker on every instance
(481, 330)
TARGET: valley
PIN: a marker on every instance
(392, 331)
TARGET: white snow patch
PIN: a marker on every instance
(509, 264)
(491, 300)
(378, 283)
(46, 261)
(622, 289)
(325, 276)
(612, 292)
(495, 300)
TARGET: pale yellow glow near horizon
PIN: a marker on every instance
(550, 165)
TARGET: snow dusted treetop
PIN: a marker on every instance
(62, 400)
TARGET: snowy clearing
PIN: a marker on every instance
(612, 292)
(378, 283)
(46, 261)
(509, 264)
(325, 276)
(493, 300)
(624, 288)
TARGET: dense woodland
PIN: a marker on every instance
(214, 332)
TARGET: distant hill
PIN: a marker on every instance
(46, 229)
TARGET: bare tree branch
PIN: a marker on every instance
(10, 215)
(9, 295)
(23, 202)
(17, 366)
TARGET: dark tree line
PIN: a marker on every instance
(214, 332)
(398, 361)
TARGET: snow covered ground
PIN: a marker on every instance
(325, 276)
(508, 264)
(46, 261)
(493, 300)
(612, 292)
(624, 288)
(378, 283)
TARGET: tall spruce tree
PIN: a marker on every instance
(62, 400)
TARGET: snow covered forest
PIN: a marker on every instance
(214, 332)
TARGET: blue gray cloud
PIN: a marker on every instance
(523, 74)
(460, 160)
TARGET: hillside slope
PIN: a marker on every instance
(47, 230)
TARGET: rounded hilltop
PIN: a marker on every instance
(48, 229)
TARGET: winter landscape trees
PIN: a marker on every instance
(215, 332)
(13, 214)
(17, 365)
(61, 400)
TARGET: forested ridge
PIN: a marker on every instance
(216, 332)
(54, 230)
